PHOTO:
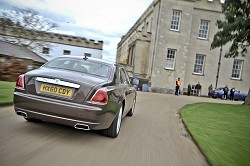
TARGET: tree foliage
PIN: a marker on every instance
(234, 29)
(12, 68)
(23, 21)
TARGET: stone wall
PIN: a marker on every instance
(51, 37)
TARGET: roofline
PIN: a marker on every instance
(22, 47)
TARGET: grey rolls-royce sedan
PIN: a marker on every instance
(82, 92)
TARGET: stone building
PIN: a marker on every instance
(50, 45)
(172, 40)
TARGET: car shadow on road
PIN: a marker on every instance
(37, 130)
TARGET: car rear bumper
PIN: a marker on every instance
(80, 116)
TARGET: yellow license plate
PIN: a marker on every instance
(58, 90)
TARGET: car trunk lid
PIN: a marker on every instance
(65, 85)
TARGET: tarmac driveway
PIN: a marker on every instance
(154, 136)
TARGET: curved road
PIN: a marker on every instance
(154, 136)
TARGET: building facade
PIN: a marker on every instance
(50, 45)
(172, 40)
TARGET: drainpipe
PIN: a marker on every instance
(156, 38)
(218, 69)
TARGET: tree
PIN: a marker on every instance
(234, 29)
(26, 25)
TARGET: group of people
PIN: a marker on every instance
(225, 90)
(198, 90)
(178, 84)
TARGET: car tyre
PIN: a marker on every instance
(114, 129)
(132, 110)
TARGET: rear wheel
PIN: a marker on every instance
(114, 129)
(132, 110)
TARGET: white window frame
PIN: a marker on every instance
(199, 64)
(45, 50)
(203, 29)
(237, 69)
(66, 52)
(175, 20)
(170, 60)
(30, 67)
(87, 54)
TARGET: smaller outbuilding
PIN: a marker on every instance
(15, 60)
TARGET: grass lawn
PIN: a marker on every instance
(6, 92)
(222, 132)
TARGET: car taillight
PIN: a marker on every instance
(20, 82)
(100, 97)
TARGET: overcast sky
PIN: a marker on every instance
(105, 20)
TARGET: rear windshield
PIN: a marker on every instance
(80, 65)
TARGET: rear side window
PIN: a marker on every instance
(80, 65)
(124, 79)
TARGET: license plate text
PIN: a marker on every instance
(56, 90)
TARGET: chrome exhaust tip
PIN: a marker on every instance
(21, 113)
(81, 126)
